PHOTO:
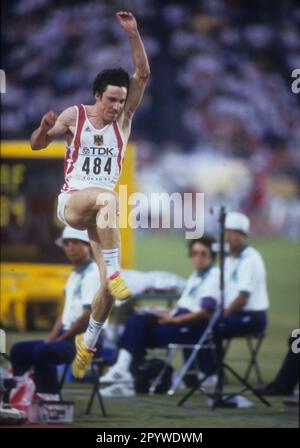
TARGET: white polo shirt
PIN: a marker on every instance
(246, 273)
(200, 285)
(80, 289)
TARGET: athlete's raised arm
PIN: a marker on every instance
(142, 70)
(52, 127)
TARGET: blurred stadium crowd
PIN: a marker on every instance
(219, 115)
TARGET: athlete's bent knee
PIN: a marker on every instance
(108, 208)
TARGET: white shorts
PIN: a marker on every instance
(61, 203)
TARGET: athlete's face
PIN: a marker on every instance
(111, 102)
(76, 251)
(201, 256)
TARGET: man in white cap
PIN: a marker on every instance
(246, 297)
(59, 347)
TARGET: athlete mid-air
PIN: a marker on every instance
(96, 138)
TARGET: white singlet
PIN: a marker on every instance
(95, 156)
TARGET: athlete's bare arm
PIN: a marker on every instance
(52, 127)
(142, 70)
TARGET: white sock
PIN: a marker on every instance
(48, 397)
(92, 333)
(111, 260)
(123, 361)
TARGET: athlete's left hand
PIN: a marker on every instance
(127, 21)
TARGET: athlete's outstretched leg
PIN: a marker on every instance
(101, 306)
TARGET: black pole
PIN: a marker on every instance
(220, 352)
(222, 258)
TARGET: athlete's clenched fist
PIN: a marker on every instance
(48, 120)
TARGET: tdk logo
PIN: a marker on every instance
(102, 151)
(85, 150)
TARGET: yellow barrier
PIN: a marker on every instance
(23, 284)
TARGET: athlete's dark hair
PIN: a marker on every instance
(206, 240)
(113, 76)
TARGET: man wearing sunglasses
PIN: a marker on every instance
(59, 347)
(184, 324)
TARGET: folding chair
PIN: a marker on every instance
(253, 342)
(96, 368)
(205, 342)
(62, 380)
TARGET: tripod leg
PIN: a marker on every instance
(101, 403)
(91, 400)
(182, 373)
(188, 395)
(168, 361)
(247, 385)
(194, 389)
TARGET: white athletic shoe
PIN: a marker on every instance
(118, 390)
(210, 381)
(115, 376)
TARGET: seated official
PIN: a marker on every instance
(59, 347)
(246, 297)
(287, 376)
(184, 324)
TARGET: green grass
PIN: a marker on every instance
(161, 411)
(165, 253)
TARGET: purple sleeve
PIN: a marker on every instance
(209, 304)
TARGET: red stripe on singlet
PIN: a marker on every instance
(68, 168)
(120, 144)
(65, 185)
(80, 123)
